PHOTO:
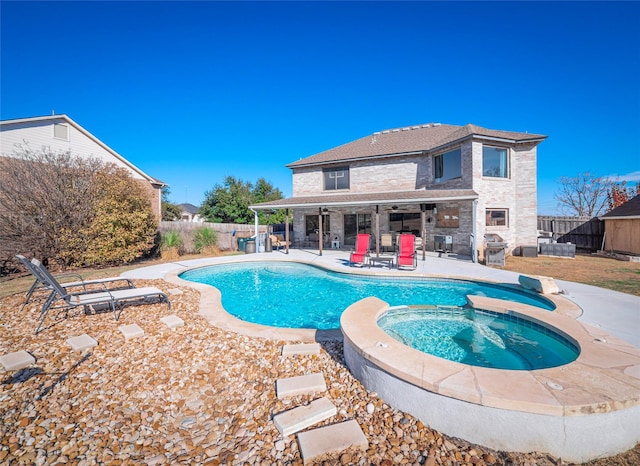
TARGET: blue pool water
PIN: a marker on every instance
(479, 338)
(292, 295)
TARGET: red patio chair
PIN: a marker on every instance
(407, 252)
(362, 250)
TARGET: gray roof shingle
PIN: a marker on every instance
(631, 208)
(410, 139)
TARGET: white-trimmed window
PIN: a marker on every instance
(61, 131)
(495, 162)
(336, 178)
(497, 217)
(447, 166)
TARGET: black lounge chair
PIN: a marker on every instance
(115, 300)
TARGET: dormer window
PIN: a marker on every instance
(336, 178)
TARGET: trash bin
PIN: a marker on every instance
(250, 248)
(242, 244)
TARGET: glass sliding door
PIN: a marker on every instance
(354, 224)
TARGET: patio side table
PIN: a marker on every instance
(381, 260)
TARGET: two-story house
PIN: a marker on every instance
(60, 133)
(440, 182)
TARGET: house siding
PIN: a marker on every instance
(40, 134)
(623, 235)
(516, 193)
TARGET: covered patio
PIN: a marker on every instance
(441, 220)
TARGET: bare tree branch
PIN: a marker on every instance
(583, 195)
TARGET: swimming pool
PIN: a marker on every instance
(479, 337)
(294, 295)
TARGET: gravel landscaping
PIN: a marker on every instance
(193, 395)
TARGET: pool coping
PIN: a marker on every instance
(605, 376)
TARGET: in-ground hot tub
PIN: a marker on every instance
(582, 410)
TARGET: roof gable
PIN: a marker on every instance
(410, 140)
(66, 119)
(631, 208)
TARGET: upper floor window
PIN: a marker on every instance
(495, 162)
(336, 178)
(447, 166)
(61, 131)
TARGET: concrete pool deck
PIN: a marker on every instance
(566, 410)
(613, 312)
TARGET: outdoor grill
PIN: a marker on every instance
(495, 249)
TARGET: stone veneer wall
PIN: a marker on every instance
(516, 193)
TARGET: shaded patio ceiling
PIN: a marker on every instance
(370, 199)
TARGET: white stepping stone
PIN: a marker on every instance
(327, 440)
(301, 348)
(300, 418)
(82, 342)
(18, 360)
(300, 385)
(172, 321)
(131, 331)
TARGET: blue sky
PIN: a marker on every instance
(191, 92)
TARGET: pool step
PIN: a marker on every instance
(317, 443)
(301, 349)
(297, 419)
(300, 385)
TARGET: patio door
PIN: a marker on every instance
(354, 224)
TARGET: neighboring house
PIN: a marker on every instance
(434, 180)
(60, 133)
(622, 228)
(190, 213)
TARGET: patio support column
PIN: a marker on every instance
(255, 216)
(320, 231)
(377, 231)
(423, 227)
(474, 249)
(286, 231)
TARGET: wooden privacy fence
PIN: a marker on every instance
(585, 232)
(227, 233)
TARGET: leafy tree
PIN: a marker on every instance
(228, 202)
(621, 193)
(265, 192)
(583, 195)
(170, 211)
